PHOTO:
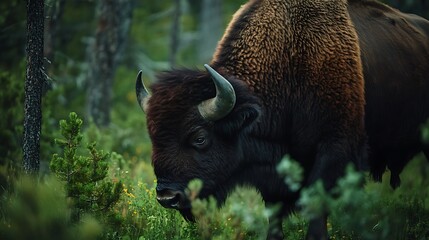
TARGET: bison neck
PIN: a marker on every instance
(261, 155)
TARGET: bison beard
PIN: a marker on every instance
(287, 78)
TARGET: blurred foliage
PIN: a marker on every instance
(292, 172)
(40, 210)
(425, 132)
(12, 34)
(11, 122)
(375, 211)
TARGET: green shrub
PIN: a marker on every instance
(374, 211)
(242, 217)
(142, 217)
(84, 176)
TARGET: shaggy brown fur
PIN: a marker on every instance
(287, 50)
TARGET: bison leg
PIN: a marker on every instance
(330, 163)
(396, 163)
(275, 229)
(317, 229)
(395, 180)
(426, 152)
(377, 163)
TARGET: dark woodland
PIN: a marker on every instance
(76, 151)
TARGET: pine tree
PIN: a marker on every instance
(85, 176)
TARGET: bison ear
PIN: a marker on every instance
(240, 119)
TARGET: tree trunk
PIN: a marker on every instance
(114, 17)
(33, 86)
(210, 30)
(175, 32)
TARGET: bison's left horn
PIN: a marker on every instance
(218, 107)
(141, 92)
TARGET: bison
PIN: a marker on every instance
(288, 78)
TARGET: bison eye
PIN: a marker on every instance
(199, 140)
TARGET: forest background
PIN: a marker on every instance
(92, 53)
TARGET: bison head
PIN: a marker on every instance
(199, 124)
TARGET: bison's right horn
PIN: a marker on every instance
(218, 107)
(141, 92)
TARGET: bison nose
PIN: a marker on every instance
(170, 198)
